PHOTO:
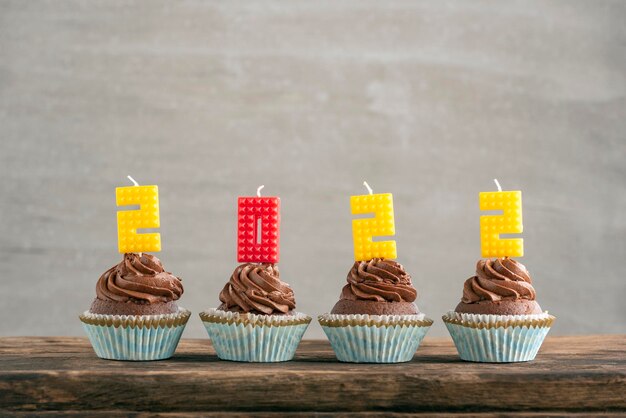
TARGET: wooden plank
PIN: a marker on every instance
(571, 374)
(220, 414)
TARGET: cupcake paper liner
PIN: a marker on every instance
(375, 338)
(497, 338)
(254, 338)
(139, 338)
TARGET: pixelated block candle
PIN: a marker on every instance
(365, 229)
(258, 229)
(509, 222)
(147, 216)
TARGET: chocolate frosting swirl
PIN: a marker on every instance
(139, 279)
(257, 288)
(379, 280)
(499, 279)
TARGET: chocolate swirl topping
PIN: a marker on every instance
(379, 280)
(257, 288)
(499, 279)
(139, 279)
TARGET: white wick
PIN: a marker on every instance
(258, 190)
(133, 180)
(367, 186)
(498, 184)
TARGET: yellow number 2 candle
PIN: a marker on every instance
(382, 224)
(510, 222)
(147, 216)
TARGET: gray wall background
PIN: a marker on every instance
(427, 100)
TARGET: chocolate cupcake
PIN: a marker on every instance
(134, 315)
(138, 285)
(498, 318)
(376, 319)
(500, 287)
(377, 287)
(256, 320)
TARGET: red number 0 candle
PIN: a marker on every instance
(258, 229)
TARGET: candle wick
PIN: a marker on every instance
(498, 184)
(133, 180)
(367, 186)
(258, 190)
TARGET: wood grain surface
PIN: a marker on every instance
(61, 375)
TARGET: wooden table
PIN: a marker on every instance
(570, 375)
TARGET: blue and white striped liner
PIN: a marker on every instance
(139, 338)
(375, 338)
(497, 338)
(254, 338)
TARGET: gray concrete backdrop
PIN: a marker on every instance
(427, 100)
